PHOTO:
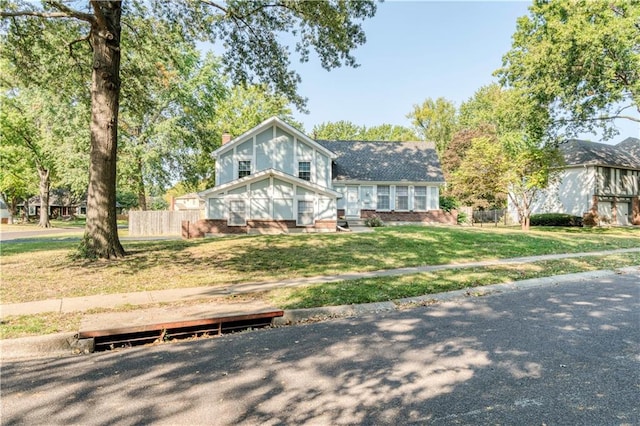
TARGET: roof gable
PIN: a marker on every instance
(265, 174)
(580, 152)
(265, 125)
(385, 161)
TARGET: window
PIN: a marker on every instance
(244, 168)
(402, 198)
(383, 197)
(304, 170)
(237, 213)
(433, 198)
(420, 198)
(305, 212)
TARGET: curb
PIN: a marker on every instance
(65, 344)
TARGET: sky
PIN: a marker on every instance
(417, 50)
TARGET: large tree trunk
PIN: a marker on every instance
(101, 232)
(44, 186)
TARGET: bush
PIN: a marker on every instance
(591, 219)
(555, 219)
(462, 218)
(448, 203)
(373, 222)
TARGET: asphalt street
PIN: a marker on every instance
(564, 354)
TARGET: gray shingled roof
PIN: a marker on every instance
(384, 161)
(624, 154)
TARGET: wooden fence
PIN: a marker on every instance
(163, 222)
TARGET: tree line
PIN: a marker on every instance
(115, 97)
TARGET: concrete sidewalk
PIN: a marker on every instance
(81, 304)
(65, 344)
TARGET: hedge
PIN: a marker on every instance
(555, 219)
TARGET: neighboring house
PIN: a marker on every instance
(191, 201)
(275, 178)
(5, 214)
(61, 203)
(597, 178)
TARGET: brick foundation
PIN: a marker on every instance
(635, 211)
(203, 227)
(431, 216)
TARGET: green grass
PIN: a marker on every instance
(381, 289)
(43, 269)
(347, 292)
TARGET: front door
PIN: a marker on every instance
(352, 208)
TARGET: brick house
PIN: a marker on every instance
(273, 178)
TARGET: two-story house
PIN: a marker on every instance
(273, 178)
(599, 179)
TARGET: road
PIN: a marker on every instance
(563, 354)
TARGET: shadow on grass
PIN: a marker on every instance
(273, 256)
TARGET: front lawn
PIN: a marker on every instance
(43, 269)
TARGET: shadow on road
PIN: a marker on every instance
(566, 354)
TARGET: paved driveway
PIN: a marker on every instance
(563, 354)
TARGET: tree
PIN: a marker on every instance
(346, 130)
(342, 130)
(580, 59)
(388, 132)
(435, 121)
(515, 122)
(254, 52)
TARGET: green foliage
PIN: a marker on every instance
(127, 200)
(347, 131)
(448, 203)
(436, 121)
(462, 218)
(251, 33)
(555, 219)
(373, 222)
(159, 203)
(479, 180)
(579, 59)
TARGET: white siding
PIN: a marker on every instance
(216, 208)
(263, 150)
(226, 168)
(283, 152)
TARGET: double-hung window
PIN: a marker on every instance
(305, 212)
(402, 198)
(383, 197)
(420, 198)
(304, 170)
(244, 168)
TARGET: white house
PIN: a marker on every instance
(275, 178)
(597, 178)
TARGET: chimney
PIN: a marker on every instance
(226, 137)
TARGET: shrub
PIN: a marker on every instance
(373, 222)
(448, 203)
(555, 219)
(591, 219)
(462, 218)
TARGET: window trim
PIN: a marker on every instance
(300, 162)
(387, 195)
(417, 196)
(240, 170)
(313, 211)
(405, 196)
